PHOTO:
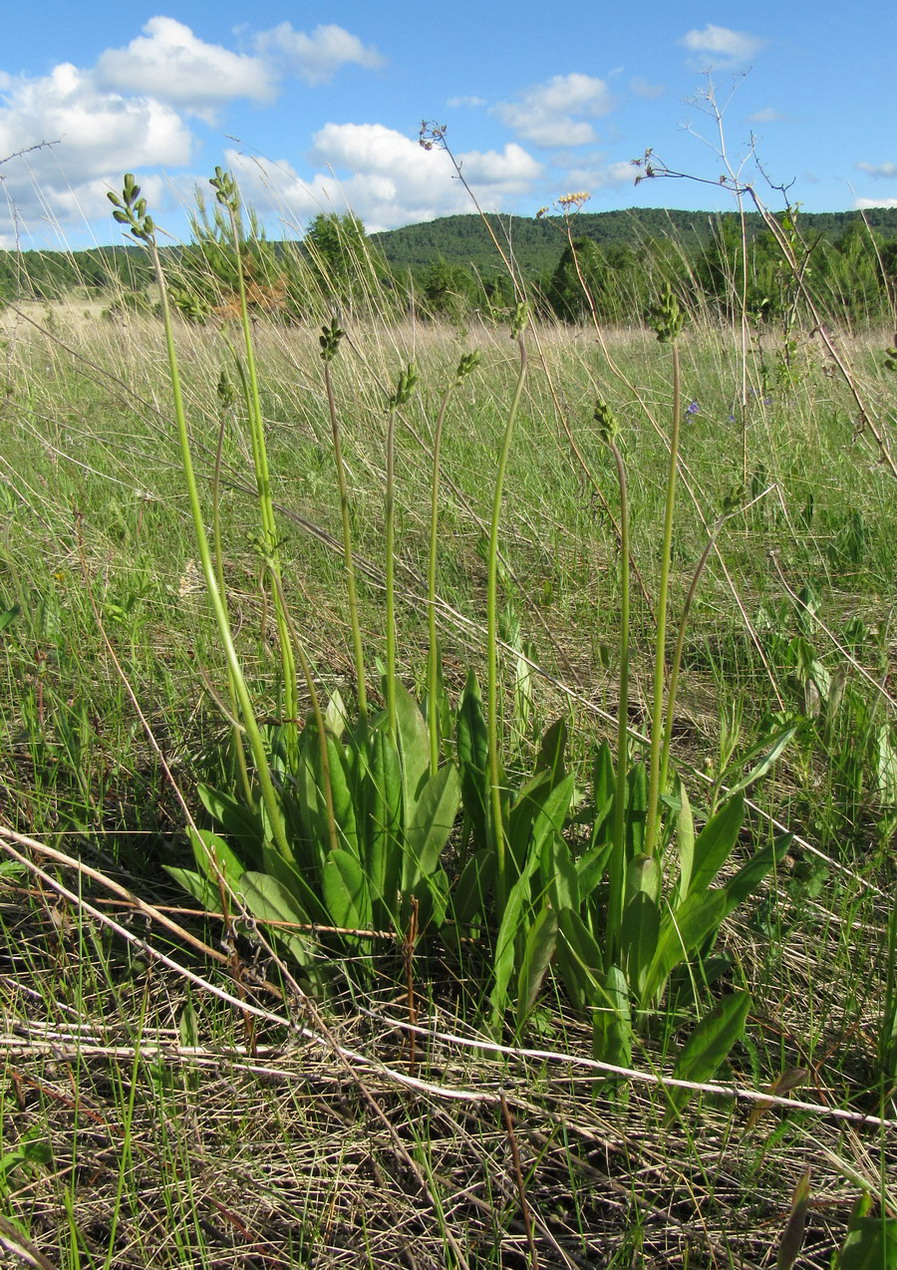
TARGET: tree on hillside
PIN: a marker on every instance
(450, 290)
(342, 259)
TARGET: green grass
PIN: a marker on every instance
(174, 1129)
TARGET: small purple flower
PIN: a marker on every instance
(692, 408)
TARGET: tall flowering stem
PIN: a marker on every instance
(228, 196)
(330, 341)
(466, 365)
(407, 382)
(609, 430)
(668, 325)
(130, 210)
(495, 777)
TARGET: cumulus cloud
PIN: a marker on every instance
(96, 134)
(600, 175)
(722, 44)
(767, 115)
(643, 88)
(861, 203)
(317, 57)
(880, 171)
(129, 111)
(98, 131)
(168, 62)
(384, 177)
(557, 112)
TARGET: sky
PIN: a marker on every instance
(318, 108)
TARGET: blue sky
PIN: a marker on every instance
(317, 108)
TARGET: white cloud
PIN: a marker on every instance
(767, 115)
(97, 131)
(601, 176)
(643, 88)
(881, 171)
(127, 112)
(556, 113)
(168, 62)
(723, 44)
(96, 136)
(317, 57)
(385, 178)
(862, 203)
(469, 102)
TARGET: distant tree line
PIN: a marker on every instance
(608, 265)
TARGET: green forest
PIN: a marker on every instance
(615, 263)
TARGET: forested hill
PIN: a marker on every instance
(451, 266)
(537, 245)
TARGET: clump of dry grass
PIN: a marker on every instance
(190, 1115)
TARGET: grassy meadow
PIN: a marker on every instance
(486, 1065)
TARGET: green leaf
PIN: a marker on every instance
(776, 745)
(580, 961)
(414, 748)
(198, 886)
(560, 874)
(208, 847)
(383, 821)
(709, 1045)
(521, 814)
(8, 616)
(612, 1034)
(237, 820)
(793, 1234)
(304, 890)
(751, 874)
(269, 901)
(550, 758)
(591, 866)
(638, 938)
(871, 1244)
(336, 717)
(346, 892)
(432, 894)
(541, 941)
(685, 841)
(636, 810)
(643, 877)
(552, 806)
(188, 1027)
(433, 820)
(515, 920)
(539, 812)
(342, 791)
(714, 843)
(470, 897)
(681, 933)
(604, 781)
(473, 760)
(887, 767)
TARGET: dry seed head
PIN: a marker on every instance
(573, 201)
